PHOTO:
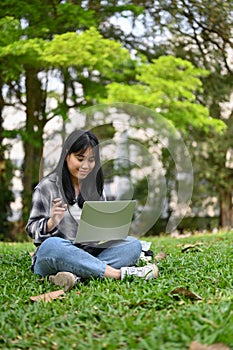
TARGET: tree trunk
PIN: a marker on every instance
(226, 209)
(6, 174)
(33, 138)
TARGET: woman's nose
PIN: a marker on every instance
(84, 163)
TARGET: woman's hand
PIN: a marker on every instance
(57, 214)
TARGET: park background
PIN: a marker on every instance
(142, 75)
(162, 60)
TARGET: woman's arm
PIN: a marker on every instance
(39, 226)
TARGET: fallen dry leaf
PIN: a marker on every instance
(192, 246)
(47, 297)
(160, 256)
(218, 346)
(183, 292)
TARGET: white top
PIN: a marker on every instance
(75, 211)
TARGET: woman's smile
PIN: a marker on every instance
(83, 173)
(80, 164)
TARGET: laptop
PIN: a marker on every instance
(105, 221)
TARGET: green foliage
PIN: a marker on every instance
(44, 18)
(201, 32)
(168, 85)
(10, 33)
(60, 37)
(69, 56)
(24, 52)
(141, 190)
(88, 49)
(129, 314)
(10, 30)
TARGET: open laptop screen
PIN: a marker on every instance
(105, 220)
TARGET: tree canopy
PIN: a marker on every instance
(168, 85)
(173, 58)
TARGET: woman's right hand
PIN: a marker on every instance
(57, 214)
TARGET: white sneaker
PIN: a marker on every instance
(65, 280)
(148, 271)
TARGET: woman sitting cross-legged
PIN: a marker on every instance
(56, 208)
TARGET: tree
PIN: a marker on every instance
(60, 55)
(9, 33)
(41, 21)
(199, 31)
(202, 33)
(39, 24)
(36, 23)
(6, 174)
(168, 85)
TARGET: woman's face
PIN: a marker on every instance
(80, 164)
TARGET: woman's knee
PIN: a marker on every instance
(133, 250)
(51, 256)
(53, 246)
(135, 245)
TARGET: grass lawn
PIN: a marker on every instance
(129, 314)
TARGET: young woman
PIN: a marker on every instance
(56, 208)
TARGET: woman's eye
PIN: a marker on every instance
(81, 159)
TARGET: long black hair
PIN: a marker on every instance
(92, 186)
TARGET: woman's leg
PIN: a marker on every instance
(56, 254)
(59, 256)
(121, 256)
(123, 253)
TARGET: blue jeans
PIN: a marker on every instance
(57, 254)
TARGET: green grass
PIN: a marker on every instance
(129, 314)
